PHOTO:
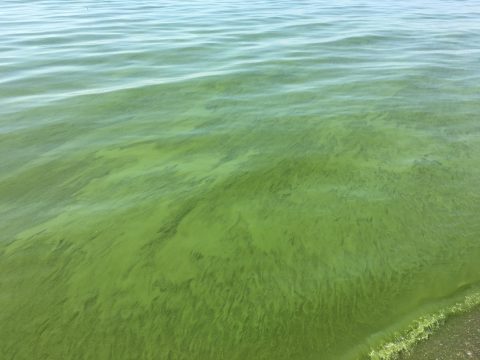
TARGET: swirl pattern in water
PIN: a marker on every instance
(234, 179)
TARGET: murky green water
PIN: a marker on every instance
(234, 180)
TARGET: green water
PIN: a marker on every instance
(234, 180)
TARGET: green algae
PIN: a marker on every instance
(288, 194)
(421, 329)
(458, 338)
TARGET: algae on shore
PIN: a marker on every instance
(450, 333)
(459, 338)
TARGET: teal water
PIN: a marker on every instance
(234, 179)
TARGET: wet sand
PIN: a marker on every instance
(459, 338)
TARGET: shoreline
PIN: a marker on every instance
(457, 338)
(456, 326)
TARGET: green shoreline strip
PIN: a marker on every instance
(403, 342)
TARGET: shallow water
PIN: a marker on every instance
(234, 180)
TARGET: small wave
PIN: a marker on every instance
(421, 329)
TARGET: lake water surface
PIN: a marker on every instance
(234, 179)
